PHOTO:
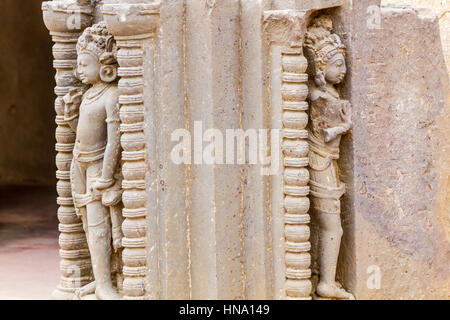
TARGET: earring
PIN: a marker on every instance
(108, 73)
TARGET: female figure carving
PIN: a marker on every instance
(330, 119)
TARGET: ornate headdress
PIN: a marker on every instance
(321, 45)
(97, 41)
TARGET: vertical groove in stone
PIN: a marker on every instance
(171, 116)
(256, 239)
(200, 104)
(132, 113)
(75, 263)
(188, 168)
(226, 115)
(296, 176)
(242, 171)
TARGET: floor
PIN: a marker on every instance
(29, 261)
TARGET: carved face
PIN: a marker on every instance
(88, 68)
(336, 69)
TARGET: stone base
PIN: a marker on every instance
(58, 294)
(316, 297)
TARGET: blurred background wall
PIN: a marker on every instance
(26, 95)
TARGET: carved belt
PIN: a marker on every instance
(82, 200)
(88, 156)
(322, 150)
(326, 192)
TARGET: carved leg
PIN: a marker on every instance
(78, 183)
(99, 230)
(100, 247)
(330, 243)
(326, 190)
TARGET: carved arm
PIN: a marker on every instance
(346, 115)
(112, 151)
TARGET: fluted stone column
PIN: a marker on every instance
(257, 239)
(133, 26)
(215, 215)
(66, 20)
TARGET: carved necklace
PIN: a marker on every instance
(93, 95)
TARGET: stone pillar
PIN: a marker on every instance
(290, 203)
(66, 20)
(134, 26)
(213, 99)
(171, 115)
(257, 240)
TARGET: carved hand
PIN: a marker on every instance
(332, 133)
(102, 184)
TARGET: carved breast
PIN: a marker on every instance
(326, 111)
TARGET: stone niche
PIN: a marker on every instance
(242, 231)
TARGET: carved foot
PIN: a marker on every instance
(333, 291)
(84, 291)
(106, 292)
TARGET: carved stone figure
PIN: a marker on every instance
(95, 170)
(330, 119)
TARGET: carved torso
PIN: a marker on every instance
(326, 108)
(92, 125)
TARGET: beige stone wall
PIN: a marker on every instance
(395, 163)
(26, 90)
(442, 10)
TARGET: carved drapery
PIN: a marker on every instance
(134, 27)
(66, 20)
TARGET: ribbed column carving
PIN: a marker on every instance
(133, 25)
(285, 30)
(131, 85)
(294, 91)
(75, 263)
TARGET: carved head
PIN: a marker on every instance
(326, 52)
(97, 54)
